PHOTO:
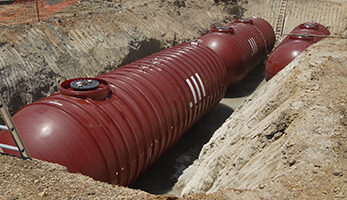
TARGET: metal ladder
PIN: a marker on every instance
(280, 20)
(10, 126)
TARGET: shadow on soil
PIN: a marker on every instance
(141, 49)
(247, 86)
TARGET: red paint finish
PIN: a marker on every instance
(152, 103)
(299, 39)
(113, 127)
(241, 45)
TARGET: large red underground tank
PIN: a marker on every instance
(241, 49)
(113, 127)
(297, 41)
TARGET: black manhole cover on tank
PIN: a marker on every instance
(84, 84)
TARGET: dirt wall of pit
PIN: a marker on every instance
(94, 37)
(330, 13)
(288, 139)
(34, 179)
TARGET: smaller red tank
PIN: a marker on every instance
(242, 45)
(296, 42)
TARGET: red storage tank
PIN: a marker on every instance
(115, 126)
(243, 49)
(297, 41)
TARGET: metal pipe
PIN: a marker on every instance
(16, 138)
(5, 146)
(2, 127)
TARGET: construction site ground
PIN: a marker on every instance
(303, 108)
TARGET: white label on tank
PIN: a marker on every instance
(254, 46)
(196, 86)
(192, 90)
(201, 84)
(250, 43)
(56, 103)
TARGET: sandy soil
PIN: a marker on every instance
(162, 176)
(94, 37)
(331, 13)
(288, 139)
(292, 127)
(83, 41)
(33, 179)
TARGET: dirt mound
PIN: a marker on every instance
(330, 13)
(24, 11)
(94, 37)
(87, 40)
(288, 139)
(34, 179)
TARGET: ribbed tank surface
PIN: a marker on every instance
(113, 127)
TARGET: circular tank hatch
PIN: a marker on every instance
(247, 21)
(309, 25)
(222, 29)
(302, 37)
(92, 88)
(84, 84)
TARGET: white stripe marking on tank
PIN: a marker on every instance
(252, 39)
(251, 43)
(56, 103)
(201, 83)
(196, 86)
(192, 90)
(256, 46)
